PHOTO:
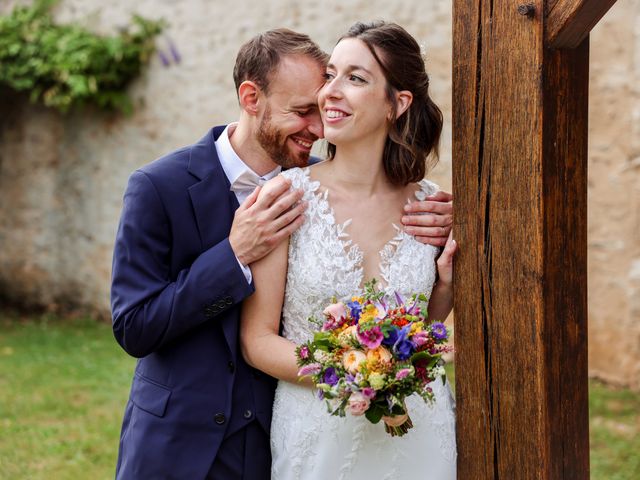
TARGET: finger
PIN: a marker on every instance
(442, 232)
(284, 203)
(435, 241)
(429, 206)
(272, 190)
(289, 216)
(428, 220)
(441, 196)
(250, 200)
(449, 250)
(289, 229)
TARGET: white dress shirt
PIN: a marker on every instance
(242, 179)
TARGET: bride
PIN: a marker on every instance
(381, 126)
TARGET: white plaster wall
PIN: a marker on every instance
(62, 178)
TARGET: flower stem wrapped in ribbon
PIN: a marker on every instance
(371, 353)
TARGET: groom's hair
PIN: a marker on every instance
(259, 58)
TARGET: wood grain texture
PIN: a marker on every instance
(568, 22)
(519, 180)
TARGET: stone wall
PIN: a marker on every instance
(62, 178)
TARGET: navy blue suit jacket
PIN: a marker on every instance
(176, 294)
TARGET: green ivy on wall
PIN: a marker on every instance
(66, 65)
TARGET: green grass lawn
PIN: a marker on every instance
(64, 384)
(64, 387)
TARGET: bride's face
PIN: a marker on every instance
(353, 101)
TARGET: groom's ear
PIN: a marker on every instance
(248, 95)
(403, 101)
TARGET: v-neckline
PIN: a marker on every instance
(387, 252)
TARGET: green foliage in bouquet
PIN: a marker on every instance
(65, 65)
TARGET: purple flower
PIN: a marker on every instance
(368, 392)
(391, 338)
(163, 58)
(403, 373)
(381, 307)
(356, 309)
(403, 347)
(399, 299)
(420, 339)
(330, 376)
(174, 51)
(414, 309)
(439, 331)
(311, 369)
(370, 338)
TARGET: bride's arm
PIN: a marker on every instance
(262, 347)
(441, 301)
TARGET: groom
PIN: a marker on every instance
(191, 226)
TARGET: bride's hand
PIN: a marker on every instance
(445, 261)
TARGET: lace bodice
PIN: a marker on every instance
(324, 262)
(306, 442)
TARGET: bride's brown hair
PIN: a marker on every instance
(415, 134)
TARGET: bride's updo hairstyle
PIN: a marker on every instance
(416, 133)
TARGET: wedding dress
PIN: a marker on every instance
(306, 442)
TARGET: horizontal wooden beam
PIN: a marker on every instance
(568, 22)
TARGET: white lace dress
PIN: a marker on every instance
(308, 443)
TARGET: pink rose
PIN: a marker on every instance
(357, 404)
(336, 311)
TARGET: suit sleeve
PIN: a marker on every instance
(149, 308)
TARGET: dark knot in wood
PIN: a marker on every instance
(527, 9)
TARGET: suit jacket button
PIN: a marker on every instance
(248, 414)
(220, 418)
(231, 366)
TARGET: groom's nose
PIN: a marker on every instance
(315, 124)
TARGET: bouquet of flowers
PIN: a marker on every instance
(371, 353)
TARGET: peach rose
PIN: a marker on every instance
(380, 354)
(347, 335)
(352, 359)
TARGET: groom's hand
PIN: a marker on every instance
(267, 217)
(434, 228)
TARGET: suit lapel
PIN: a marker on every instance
(214, 206)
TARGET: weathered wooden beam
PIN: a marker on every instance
(568, 22)
(519, 180)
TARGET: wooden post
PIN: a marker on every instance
(520, 187)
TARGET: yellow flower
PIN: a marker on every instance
(415, 328)
(368, 313)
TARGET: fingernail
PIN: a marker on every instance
(407, 208)
(405, 219)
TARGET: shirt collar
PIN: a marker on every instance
(232, 164)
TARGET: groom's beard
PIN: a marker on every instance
(275, 144)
